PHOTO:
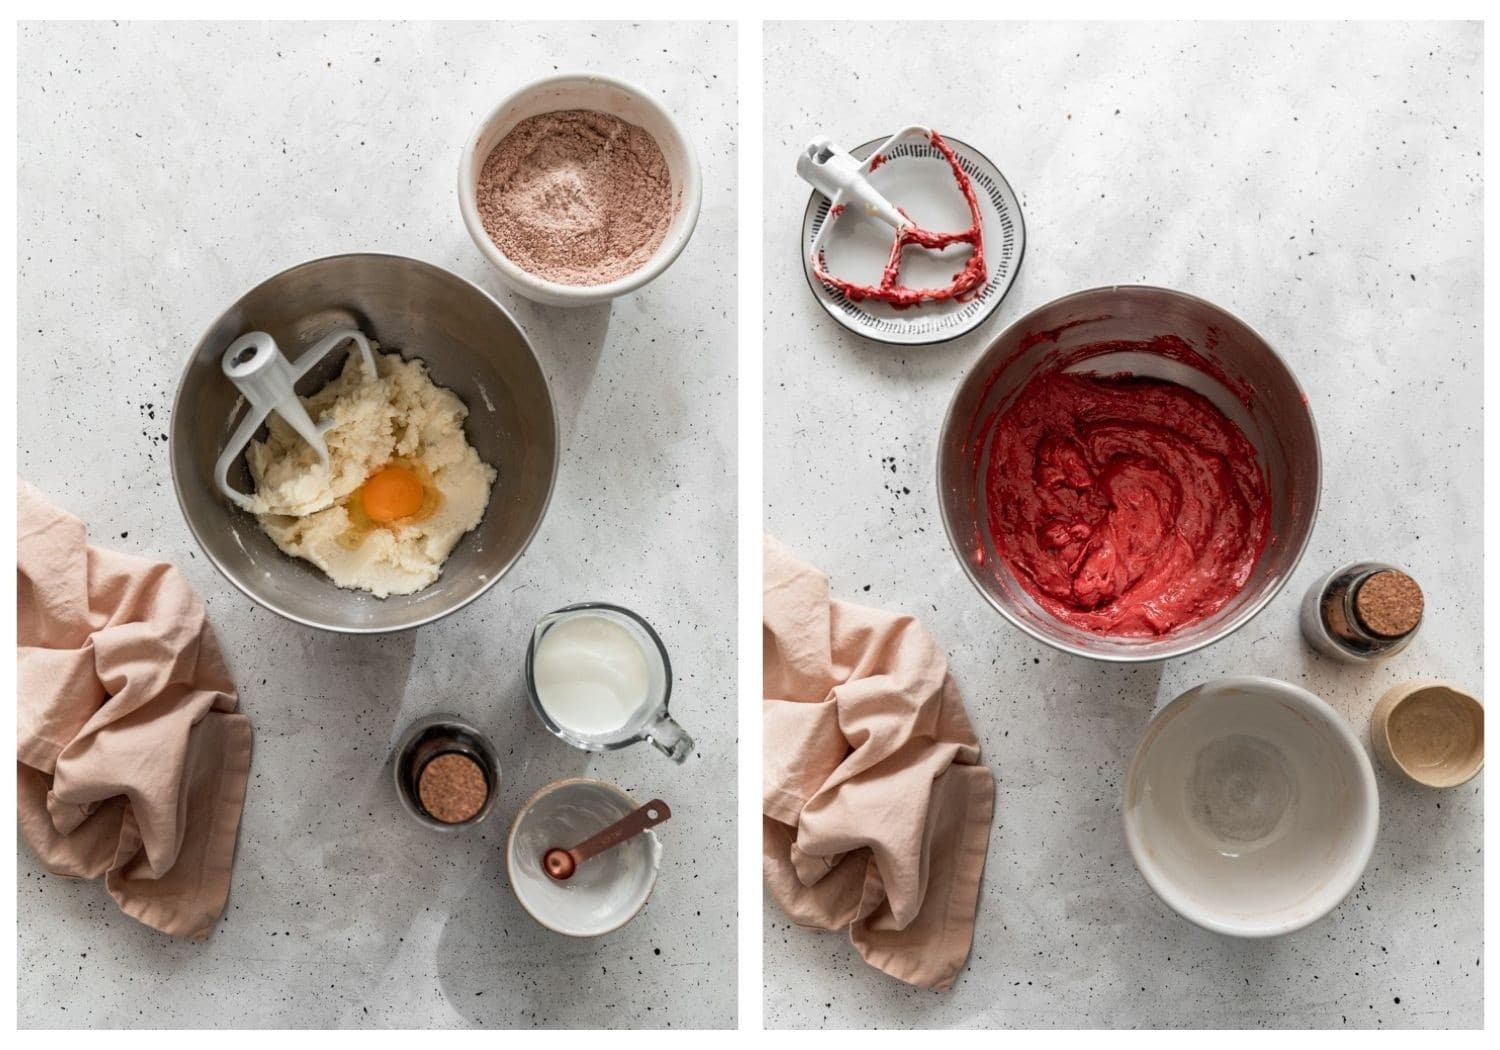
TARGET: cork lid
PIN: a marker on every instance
(1388, 604)
(452, 788)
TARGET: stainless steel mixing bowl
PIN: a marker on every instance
(1277, 421)
(471, 345)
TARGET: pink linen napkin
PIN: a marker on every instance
(876, 811)
(132, 757)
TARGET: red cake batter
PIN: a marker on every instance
(1125, 506)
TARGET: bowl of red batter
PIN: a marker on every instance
(1129, 473)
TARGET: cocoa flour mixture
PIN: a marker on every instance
(576, 196)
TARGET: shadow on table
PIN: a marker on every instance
(932, 360)
(569, 342)
(1074, 870)
(496, 965)
(352, 673)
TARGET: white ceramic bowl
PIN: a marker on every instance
(604, 893)
(1250, 807)
(606, 95)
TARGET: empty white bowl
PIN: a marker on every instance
(606, 891)
(1250, 807)
(603, 94)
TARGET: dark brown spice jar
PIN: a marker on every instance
(447, 774)
(1362, 612)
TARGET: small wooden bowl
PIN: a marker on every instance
(1430, 732)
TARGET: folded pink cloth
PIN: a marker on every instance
(132, 759)
(876, 811)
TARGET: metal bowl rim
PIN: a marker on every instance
(177, 485)
(1230, 626)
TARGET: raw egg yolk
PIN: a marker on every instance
(391, 493)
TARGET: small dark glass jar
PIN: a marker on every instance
(447, 774)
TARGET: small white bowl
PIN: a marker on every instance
(606, 95)
(1250, 807)
(604, 893)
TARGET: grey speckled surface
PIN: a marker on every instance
(163, 171)
(1322, 182)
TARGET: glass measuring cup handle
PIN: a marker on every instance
(669, 738)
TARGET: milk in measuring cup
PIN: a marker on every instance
(591, 675)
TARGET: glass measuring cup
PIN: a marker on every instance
(649, 721)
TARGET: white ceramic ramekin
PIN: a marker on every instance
(607, 891)
(606, 95)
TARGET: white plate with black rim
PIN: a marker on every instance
(918, 179)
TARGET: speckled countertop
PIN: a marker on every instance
(162, 172)
(1323, 183)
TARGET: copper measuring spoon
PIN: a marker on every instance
(560, 864)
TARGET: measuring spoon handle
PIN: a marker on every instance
(627, 827)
